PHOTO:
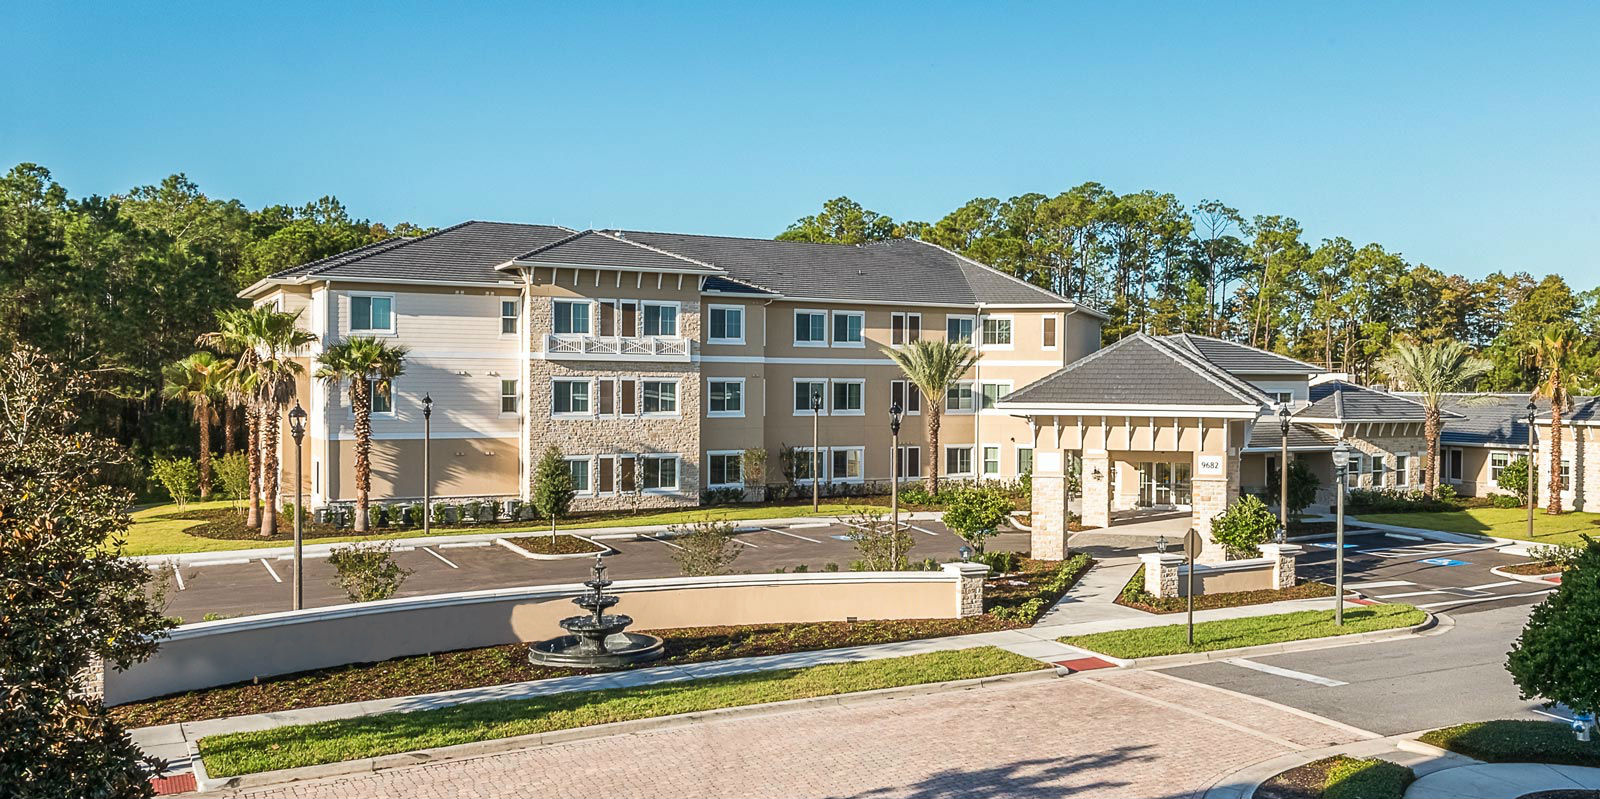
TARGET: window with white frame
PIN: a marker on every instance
(849, 329)
(578, 468)
(958, 461)
(380, 394)
(992, 392)
(906, 394)
(723, 470)
(1377, 464)
(1354, 469)
(725, 396)
(904, 328)
(810, 328)
(660, 319)
(571, 317)
(806, 462)
(1024, 461)
(959, 398)
(1453, 461)
(725, 324)
(1566, 475)
(959, 328)
(808, 391)
(1402, 469)
(996, 331)
(909, 462)
(373, 313)
(845, 464)
(660, 396)
(508, 396)
(659, 472)
(1047, 335)
(1498, 461)
(849, 397)
(570, 396)
(991, 461)
(508, 316)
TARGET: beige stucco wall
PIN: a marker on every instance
(1580, 445)
(218, 653)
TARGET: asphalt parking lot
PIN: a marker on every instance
(1433, 575)
(246, 587)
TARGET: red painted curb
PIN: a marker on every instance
(177, 783)
(1084, 664)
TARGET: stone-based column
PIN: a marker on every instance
(969, 587)
(1211, 497)
(1283, 563)
(1049, 517)
(1097, 489)
(1161, 573)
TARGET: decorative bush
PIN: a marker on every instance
(1553, 659)
(1505, 501)
(233, 472)
(441, 513)
(882, 548)
(1046, 593)
(1244, 527)
(705, 548)
(178, 476)
(721, 496)
(1514, 478)
(976, 514)
(552, 487)
(1399, 500)
(366, 571)
(1000, 562)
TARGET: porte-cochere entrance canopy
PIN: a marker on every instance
(1144, 422)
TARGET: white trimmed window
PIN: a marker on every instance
(1498, 461)
(991, 460)
(725, 324)
(958, 461)
(1354, 469)
(811, 328)
(381, 393)
(571, 317)
(723, 469)
(570, 396)
(959, 398)
(1377, 466)
(579, 470)
(804, 460)
(659, 472)
(661, 397)
(725, 396)
(660, 319)
(508, 397)
(909, 462)
(1402, 470)
(372, 313)
(1024, 460)
(805, 391)
(960, 328)
(904, 328)
(849, 329)
(849, 397)
(992, 392)
(997, 331)
(508, 317)
(907, 395)
(845, 464)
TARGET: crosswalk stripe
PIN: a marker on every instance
(1282, 672)
(1491, 585)
(1378, 584)
(1486, 599)
(1402, 596)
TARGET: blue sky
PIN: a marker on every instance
(1462, 135)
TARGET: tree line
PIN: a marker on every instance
(1157, 266)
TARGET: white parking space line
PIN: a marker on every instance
(1379, 584)
(271, 571)
(808, 525)
(662, 541)
(178, 573)
(1402, 596)
(791, 535)
(738, 541)
(466, 544)
(1495, 598)
(1282, 672)
(922, 529)
(1491, 585)
(440, 557)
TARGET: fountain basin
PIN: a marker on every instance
(619, 649)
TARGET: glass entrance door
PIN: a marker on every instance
(1165, 484)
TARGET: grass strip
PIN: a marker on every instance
(1352, 778)
(1503, 522)
(391, 733)
(1210, 636)
(1513, 741)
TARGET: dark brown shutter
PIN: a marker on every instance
(626, 472)
(630, 319)
(608, 391)
(629, 397)
(608, 319)
(606, 469)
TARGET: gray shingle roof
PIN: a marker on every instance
(464, 253)
(1139, 370)
(1486, 419)
(599, 248)
(1266, 435)
(1584, 409)
(1240, 358)
(903, 270)
(1337, 399)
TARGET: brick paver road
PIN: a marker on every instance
(1105, 734)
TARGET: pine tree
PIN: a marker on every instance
(552, 487)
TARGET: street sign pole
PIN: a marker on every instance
(1191, 542)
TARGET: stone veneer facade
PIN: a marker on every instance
(1580, 447)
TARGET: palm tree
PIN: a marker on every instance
(933, 366)
(1553, 353)
(367, 363)
(1432, 369)
(239, 333)
(199, 380)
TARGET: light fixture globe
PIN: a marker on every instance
(1341, 455)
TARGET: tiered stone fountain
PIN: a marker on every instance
(597, 639)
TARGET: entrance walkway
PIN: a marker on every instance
(1491, 780)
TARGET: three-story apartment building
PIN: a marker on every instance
(653, 360)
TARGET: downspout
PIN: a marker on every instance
(977, 385)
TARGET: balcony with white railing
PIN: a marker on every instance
(578, 347)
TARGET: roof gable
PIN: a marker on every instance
(1347, 402)
(1138, 370)
(1241, 358)
(464, 253)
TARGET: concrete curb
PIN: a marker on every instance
(206, 783)
(1443, 623)
(1527, 578)
(513, 546)
(1242, 783)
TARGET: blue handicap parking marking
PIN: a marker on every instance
(1326, 545)
(1444, 562)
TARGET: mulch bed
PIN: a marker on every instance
(561, 544)
(1134, 596)
(228, 524)
(1565, 793)
(1301, 782)
(496, 665)
(1534, 569)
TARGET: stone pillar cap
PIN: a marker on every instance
(1164, 558)
(965, 568)
(1282, 549)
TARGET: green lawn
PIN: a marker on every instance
(350, 739)
(1503, 522)
(1509, 741)
(1251, 631)
(153, 533)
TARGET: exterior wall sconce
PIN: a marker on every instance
(1096, 474)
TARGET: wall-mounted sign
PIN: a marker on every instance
(1049, 462)
(1208, 466)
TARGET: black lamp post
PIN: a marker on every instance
(816, 451)
(427, 440)
(1533, 483)
(1341, 462)
(895, 414)
(297, 430)
(1283, 472)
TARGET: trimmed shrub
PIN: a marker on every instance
(721, 496)
(1504, 501)
(1514, 478)
(366, 571)
(233, 472)
(1244, 527)
(976, 514)
(1399, 500)
(705, 548)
